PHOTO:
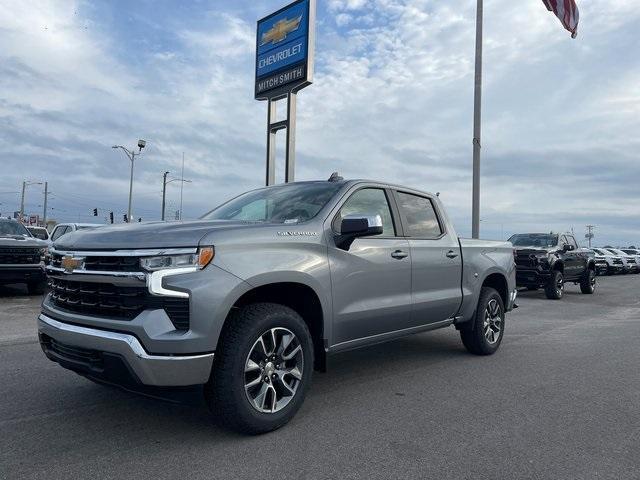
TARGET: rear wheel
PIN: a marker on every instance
(588, 282)
(555, 288)
(262, 369)
(484, 333)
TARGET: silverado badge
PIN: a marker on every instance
(70, 263)
(280, 30)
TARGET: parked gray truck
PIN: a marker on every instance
(253, 297)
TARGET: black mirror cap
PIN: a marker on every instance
(361, 225)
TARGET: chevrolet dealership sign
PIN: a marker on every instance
(284, 50)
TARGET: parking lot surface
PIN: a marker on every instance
(559, 400)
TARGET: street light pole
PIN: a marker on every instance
(25, 184)
(131, 155)
(477, 116)
(164, 192)
(46, 196)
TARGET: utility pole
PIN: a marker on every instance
(131, 154)
(46, 195)
(589, 236)
(164, 192)
(477, 117)
(181, 185)
(24, 186)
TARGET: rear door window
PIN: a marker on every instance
(419, 216)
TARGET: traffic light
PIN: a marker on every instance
(95, 212)
(126, 220)
(111, 216)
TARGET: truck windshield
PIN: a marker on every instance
(13, 228)
(293, 203)
(534, 240)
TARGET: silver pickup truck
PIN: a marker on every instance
(252, 298)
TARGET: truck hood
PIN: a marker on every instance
(534, 250)
(21, 241)
(145, 235)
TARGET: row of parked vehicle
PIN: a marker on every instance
(549, 260)
(611, 261)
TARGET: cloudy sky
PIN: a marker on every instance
(392, 100)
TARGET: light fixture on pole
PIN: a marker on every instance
(165, 182)
(131, 154)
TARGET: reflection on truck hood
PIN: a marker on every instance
(145, 235)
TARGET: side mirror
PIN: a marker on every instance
(354, 226)
(567, 248)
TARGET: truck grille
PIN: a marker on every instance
(112, 301)
(617, 261)
(526, 261)
(19, 256)
(103, 264)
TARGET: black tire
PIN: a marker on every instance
(36, 288)
(555, 288)
(474, 335)
(225, 391)
(588, 282)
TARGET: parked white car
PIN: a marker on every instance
(629, 261)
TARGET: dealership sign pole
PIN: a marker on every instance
(285, 42)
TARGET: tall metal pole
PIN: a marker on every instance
(164, 192)
(271, 144)
(477, 116)
(24, 185)
(181, 185)
(46, 195)
(132, 157)
(290, 166)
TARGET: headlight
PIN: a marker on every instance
(44, 252)
(199, 260)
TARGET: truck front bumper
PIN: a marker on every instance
(118, 358)
(532, 277)
(21, 274)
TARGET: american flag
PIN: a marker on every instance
(567, 12)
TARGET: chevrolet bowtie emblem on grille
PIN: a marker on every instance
(280, 30)
(70, 263)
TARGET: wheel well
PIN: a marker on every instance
(558, 266)
(591, 266)
(499, 283)
(303, 300)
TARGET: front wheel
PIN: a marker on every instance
(484, 333)
(555, 288)
(588, 282)
(262, 369)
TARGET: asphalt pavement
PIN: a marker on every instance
(560, 400)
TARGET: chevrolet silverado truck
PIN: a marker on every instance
(549, 260)
(21, 257)
(253, 297)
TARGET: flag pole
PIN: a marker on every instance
(477, 115)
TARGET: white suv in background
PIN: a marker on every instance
(63, 228)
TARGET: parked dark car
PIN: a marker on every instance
(21, 256)
(548, 260)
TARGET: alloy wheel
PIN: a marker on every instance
(273, 370)
(492, 321)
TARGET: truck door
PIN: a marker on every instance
(572, 261)
(371, 281)
(435, 258)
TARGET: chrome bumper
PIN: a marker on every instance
(153, 370)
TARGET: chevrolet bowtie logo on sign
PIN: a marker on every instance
(70, 263)
(284, 50)
(280, 30)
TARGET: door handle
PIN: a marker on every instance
(399, 254)
(451, 254)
